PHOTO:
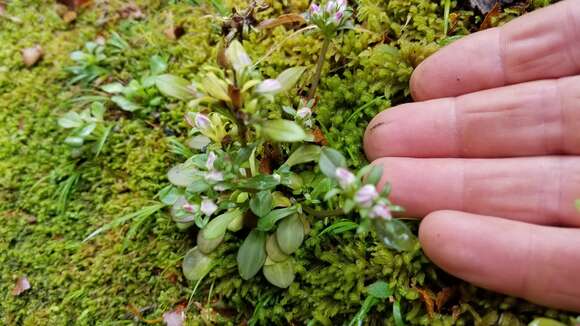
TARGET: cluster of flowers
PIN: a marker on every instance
(366, 198)
(331, 17)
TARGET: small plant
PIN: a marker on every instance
(88, 129)
(139, 94)
(91, 62)
(256, 164)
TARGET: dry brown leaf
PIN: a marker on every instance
(442, 297)
(69, 16)
(487, 21)
(75, 4)
(131, 11)
(22, 284)
(282, 20)
(30, 56)
(319, 137)
(427, 298)
(174, 32)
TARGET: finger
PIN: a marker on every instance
(541, 45)
(537, 263)
(535, 118)
(540, 190)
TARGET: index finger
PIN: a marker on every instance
(541, 45)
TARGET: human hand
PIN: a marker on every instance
(490, 155)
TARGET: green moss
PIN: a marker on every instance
(96, 282)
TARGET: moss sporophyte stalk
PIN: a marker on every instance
(243, 128)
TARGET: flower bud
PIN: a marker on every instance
(208, 207)
(202, 122)
(381, 211)
(314, 9)
(345, 177)
(190, 208)
(366, 195)
(211, 157)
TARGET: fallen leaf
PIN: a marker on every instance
(442, 297)
(69, 16)
(486, 6)
(319, 137)
(487, 21)
(174, 32)
(21, 286)
(30, 56)
(175, 317)
(427, 298)
(75, 4)
(131, 11)
(282, 20)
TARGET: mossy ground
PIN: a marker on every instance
(103, 281)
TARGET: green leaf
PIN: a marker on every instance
(113, 88)
(205, 245)
(196, 265)
(169, 195)
(283, 131)
(375, 175)
(98, 110)
(395, 234)
(181, 175)
(125, 104)
(289, 77)
(173, 86)
(216, 87)
(261, 203)
(267, 222)
(273, 249)
(379, 290)
(304, 154)
(260, 182)
(70, 120)
(330, 160)
(238, 57)
(74, 141)
(157, 65)
(217, 226)
(290, 234)
(397, 314)
(339, 227)
(87, 130)
(252, 254)
(542, 321)
(280, 274)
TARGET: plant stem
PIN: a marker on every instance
(319, 65)
(313, 212)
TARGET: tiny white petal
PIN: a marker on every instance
(345, 177)
(304, 112)
(211, 157)
(381, 211)
(208, 207)
(214, 176)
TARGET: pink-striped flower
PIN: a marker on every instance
(381, 211)
(366, 195)
(202, 122)
(345, 177)
(211, 157)
(208, 207)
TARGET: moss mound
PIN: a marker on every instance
(50, 201)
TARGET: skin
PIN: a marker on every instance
(488, 156)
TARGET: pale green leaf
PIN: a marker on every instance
(252, 254)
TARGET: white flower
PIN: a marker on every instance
(269, 86)
(366, 195)
(381, 211)
(214, 176)
(304, 112)
(208, 207)
(211, 157)
(202, 122)
(345, 177)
